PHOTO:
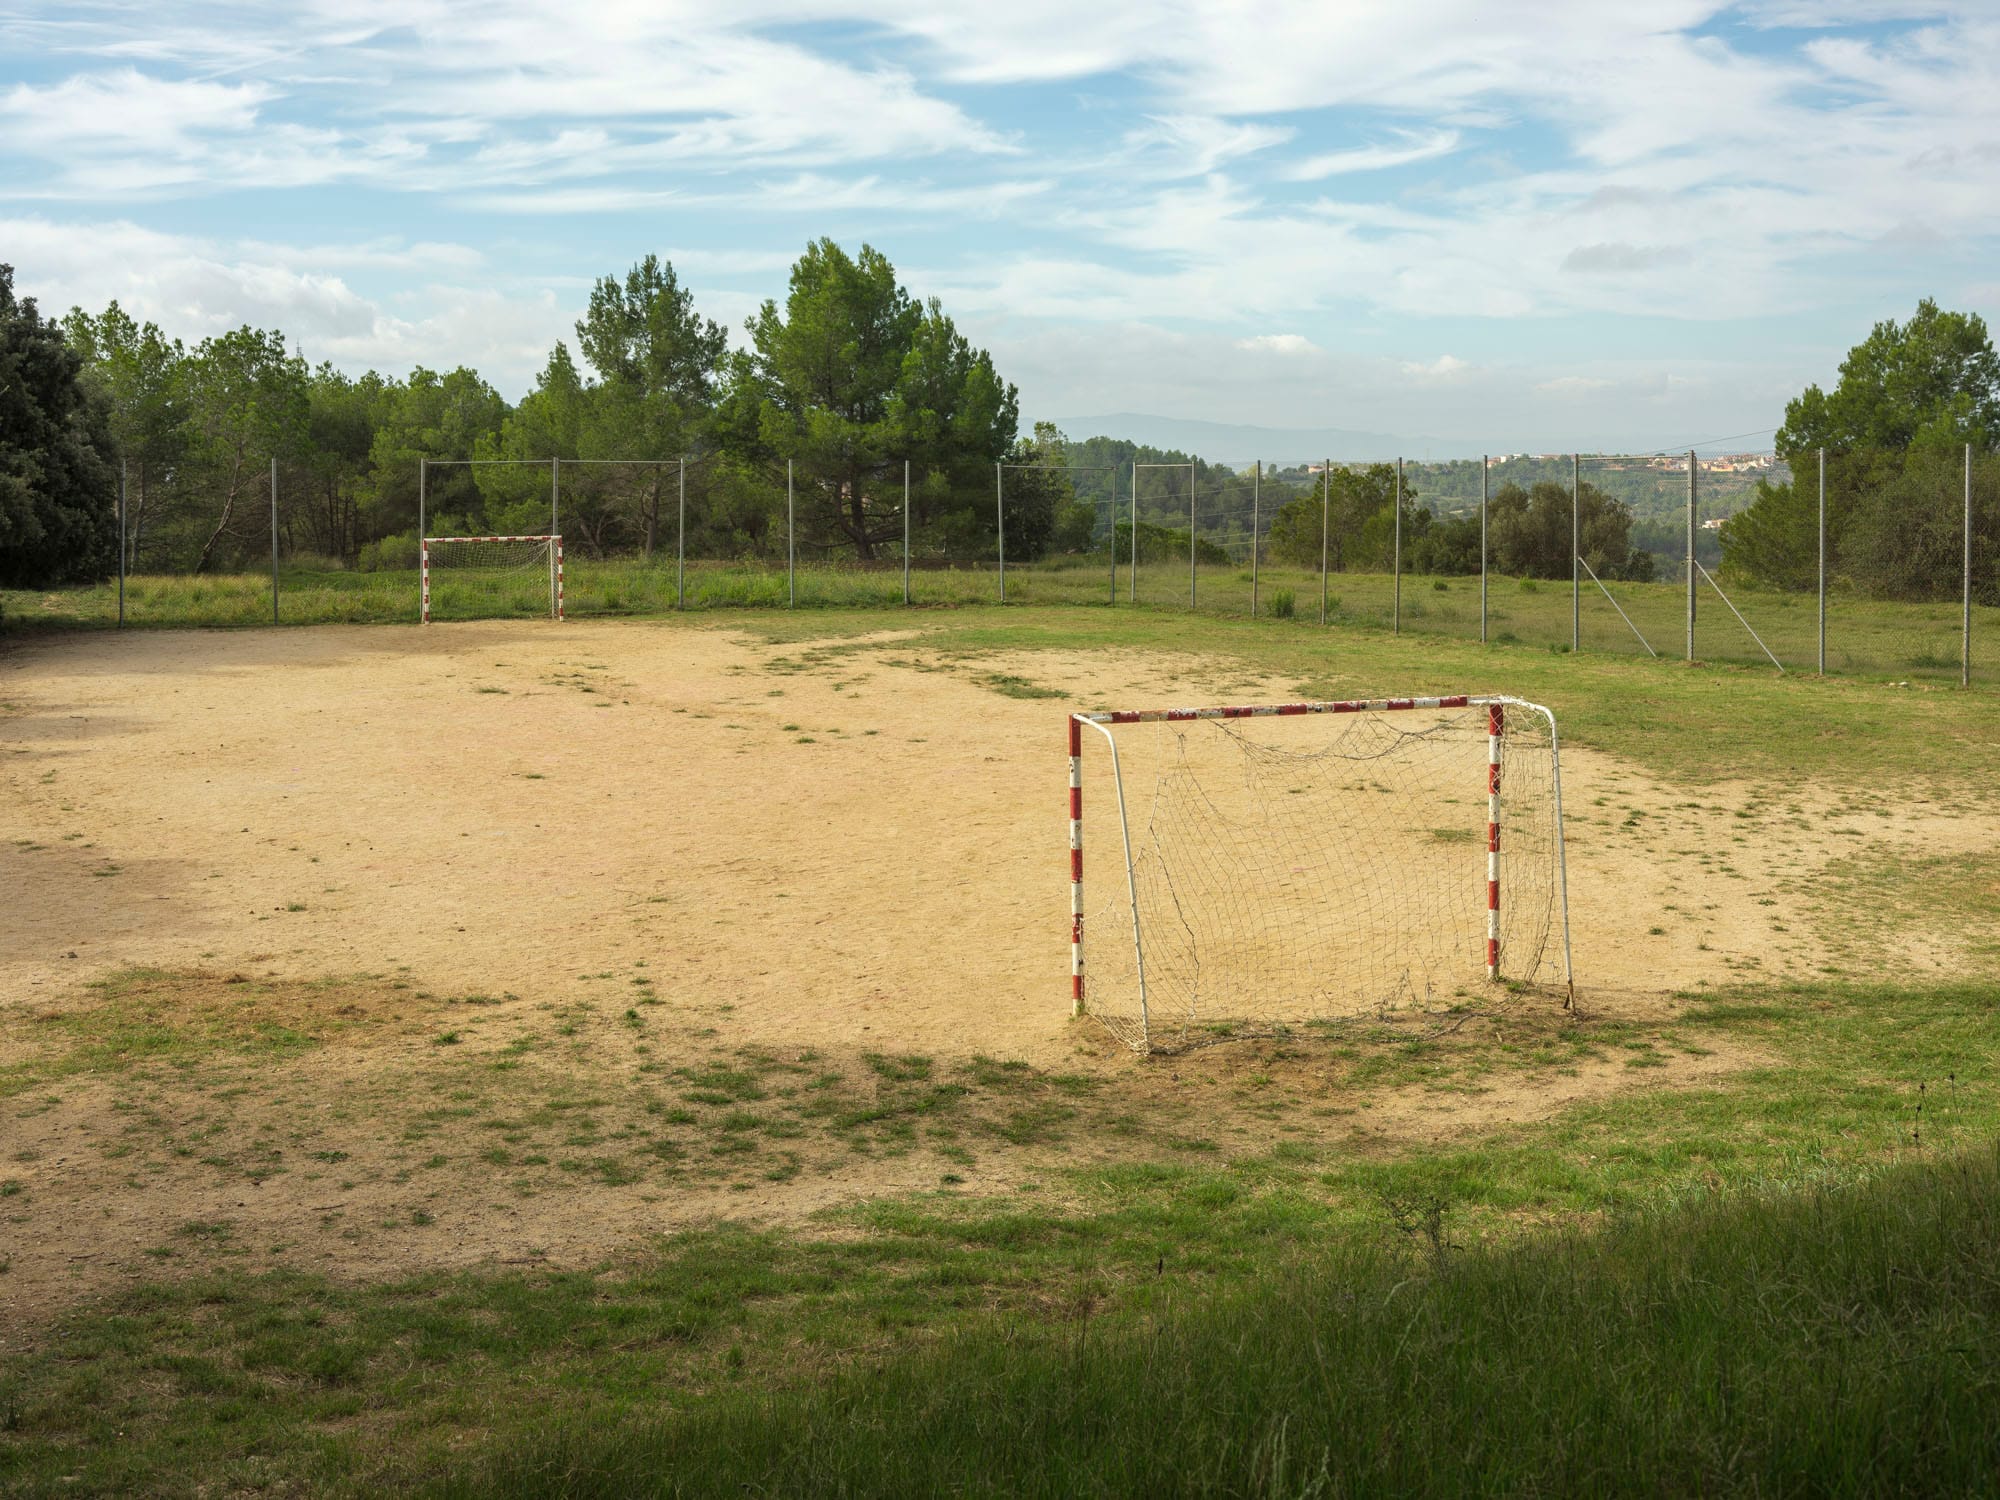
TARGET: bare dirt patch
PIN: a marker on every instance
(366, 1129)
(632, 922)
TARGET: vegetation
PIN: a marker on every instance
(58, 487)
(1911, 399)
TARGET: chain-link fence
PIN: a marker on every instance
(1842, 567)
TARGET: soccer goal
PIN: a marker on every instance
(1304, 862)
(478, 577)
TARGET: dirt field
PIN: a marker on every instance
(388, 841)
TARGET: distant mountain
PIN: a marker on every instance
(1237, 444)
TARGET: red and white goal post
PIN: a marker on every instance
(1280, 870)
(489, 573)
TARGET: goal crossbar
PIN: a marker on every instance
(1496, 706)
(553, 542)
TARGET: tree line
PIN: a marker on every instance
(1910, 398)
(849, 377)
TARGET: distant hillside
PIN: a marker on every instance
(1239, 444)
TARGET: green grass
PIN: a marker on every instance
(1641, 1242)
(1865, 637)
(1838, 1341)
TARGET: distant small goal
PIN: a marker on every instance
(1266, 867)
(489, 577)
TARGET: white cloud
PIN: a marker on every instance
(1445, 367)
(1291, 345)
(1413, 147)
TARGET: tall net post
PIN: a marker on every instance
(1485, 463)
(1256, 530)
(1822, 562)
(1132, 576)
(1193, 531)
(1577, 553)
(274, 541)
(681, 538)
(791, 540)
(906, 531)
(555, 496)
(1325, 518)
(1965, 607)
(1396, 558)
(1691, 564)
(1111, 534)
(121, 542)
(1000, 526)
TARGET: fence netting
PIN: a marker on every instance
(1588, 551)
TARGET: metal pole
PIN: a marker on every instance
(1256, 500)
(1111, 541)
(121, 542)
(555, 497)
(1325, 505)
(1965, 625)
(1483, 464)
(1822, 562)
(274, 541)
(1193, 475)
(906, 531)
(1396, 558)
(1000, 515)
(423, 573)
(1690, 559)
(681, 542)
(1575, 552)
(1134, 580)
(791, 541)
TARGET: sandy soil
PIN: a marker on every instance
(850, 845)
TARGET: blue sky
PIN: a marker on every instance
(1540, 225)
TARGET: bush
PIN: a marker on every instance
(392, 553)
(1283, 605)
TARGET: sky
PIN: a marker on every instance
(1465, 223)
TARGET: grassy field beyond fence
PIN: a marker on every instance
(1864, 636)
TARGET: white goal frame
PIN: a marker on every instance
(553, 540)
(1496, 706)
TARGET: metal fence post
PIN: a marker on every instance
(1111, 538)
(1396, 624)
(1575, 551)
(1965, 624)
(1325, 509)
(423, 485)
(1690, 558)
(555, 497)
(1256, 504)
(791, 541)
(1000, 517)
(681, 541)
(1484, 465)
(274, 541)
(121, 542)
(1134, 579)
(906, 531)
(1822, 562)
(1193, 475)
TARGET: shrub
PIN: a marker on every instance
(1283, 605)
